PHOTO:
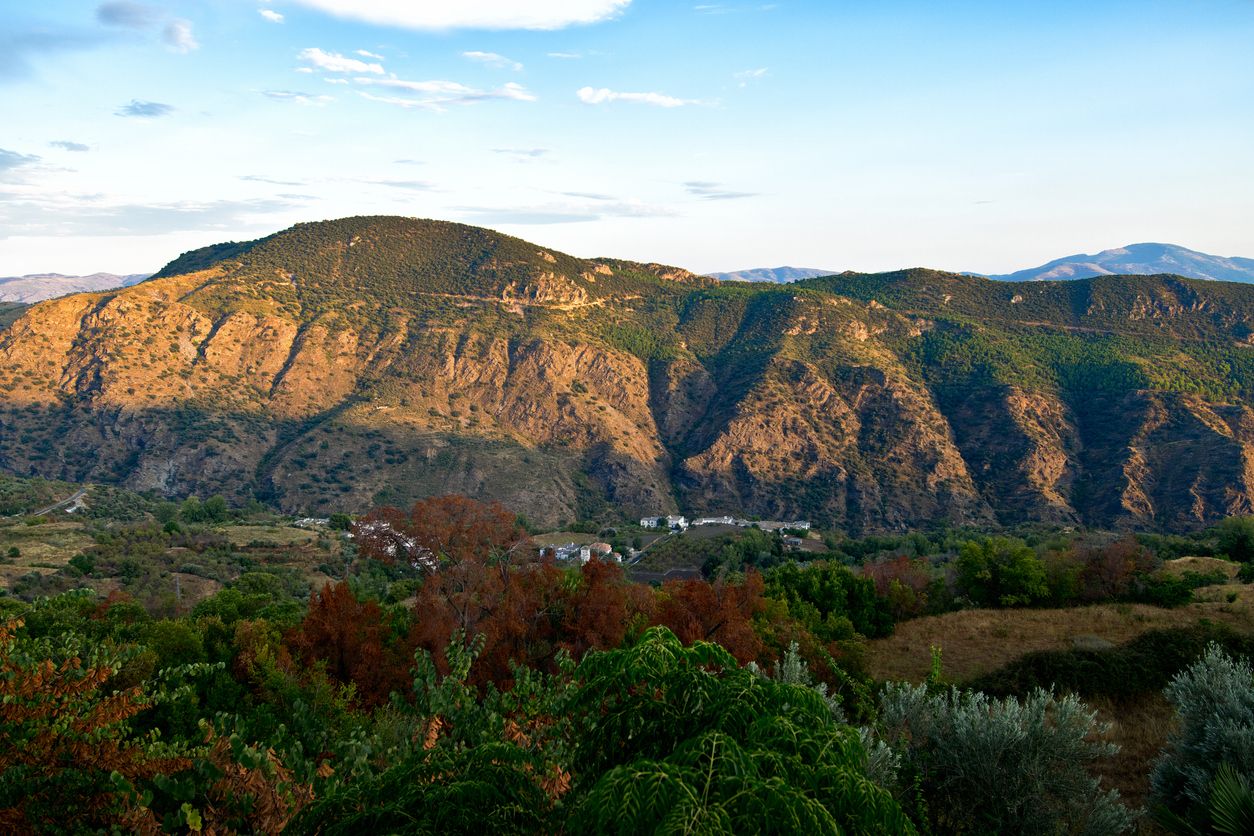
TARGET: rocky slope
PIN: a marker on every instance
(342, 364)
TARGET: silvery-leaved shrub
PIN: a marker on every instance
(986, 765)
(1214, 702)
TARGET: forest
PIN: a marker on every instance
(449, 676)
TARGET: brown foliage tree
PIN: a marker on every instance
(1108, 571)
(720, 612)
(355, 642)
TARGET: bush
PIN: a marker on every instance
(1214, 701)
(985, 765)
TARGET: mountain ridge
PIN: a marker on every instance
(36, 287)
(1139, 259)
(341, 364)
(778, 275)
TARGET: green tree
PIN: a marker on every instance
(1001, 572)
(682, 739)
(1236, 538)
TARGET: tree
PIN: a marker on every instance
(682, 739)
(1236, 538)
(719, 612)
(1001, 572)
(355, 642)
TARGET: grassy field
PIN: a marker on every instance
(43, 548)
(975, 642)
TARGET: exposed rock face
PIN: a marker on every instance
(336, 366)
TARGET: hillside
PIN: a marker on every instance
(1140, 260)
(40, 286)
(341, 364)
(778, 275)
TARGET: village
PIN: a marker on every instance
(581, 553)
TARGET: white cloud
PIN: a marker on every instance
(604, 95)
(473, 14)
(438, 94)
(270, 15)
(178, 36)
(333, 62)
(747, 76)
(569, 56)
(493, 59)
(367, 54)
(709, 190)
(298, 98)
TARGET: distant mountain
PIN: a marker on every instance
(37, 287)
(1140, 260)
(778, 275)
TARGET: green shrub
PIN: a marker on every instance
(1001, 572)
(985, 765)
(1214, 702)
(1236, 538)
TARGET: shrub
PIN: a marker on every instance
(1236, 538)
(985, 765)
(1214, 701)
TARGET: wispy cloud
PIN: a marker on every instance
(567, 56)
(333, 62)
(603, 95)
(130, 15)
(62, 215)
(522, 155)
(708, 190)
(297, 97)
(473, 14)
(439, 94)
(493, 59)
(410, 162)
(144, 110)
(367, 54)
(17, 48)
(178, 36)
(10, 160)
(258, 178)
(411, 185)
(561, 213)
(67, 145)
(271, 15)
(746, 77)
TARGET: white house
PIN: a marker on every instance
(677, 523)
(728, 520)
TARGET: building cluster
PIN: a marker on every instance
(575, 553)
(681, 523)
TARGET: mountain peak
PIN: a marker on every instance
(1144, 259)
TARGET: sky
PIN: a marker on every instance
(837, 134)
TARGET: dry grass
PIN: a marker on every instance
(1140, 729)
(244, 535)
(1201, 565)
(41, 547)
(975, 642)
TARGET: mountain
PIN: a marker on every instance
(1140, 260)
(779, 275)
(37, 287)
(340, 364)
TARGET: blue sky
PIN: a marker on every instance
(844, 135)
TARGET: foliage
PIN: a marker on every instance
(1214, 701)
(1001, 766)
(1001, 572)
(1236, 538)
(681, 738)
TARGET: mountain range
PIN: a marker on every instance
(1140, 260)
(341, 364)
(778, 275)
(37, 287)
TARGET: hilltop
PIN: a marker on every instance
(338, 365)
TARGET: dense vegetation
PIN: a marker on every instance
(455, 679)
